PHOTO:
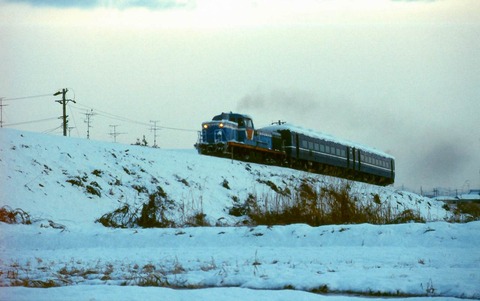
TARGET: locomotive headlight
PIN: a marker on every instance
(221, 124)
(205, 126)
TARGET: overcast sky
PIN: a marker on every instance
(400, 76)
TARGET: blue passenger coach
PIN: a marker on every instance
(233, 135)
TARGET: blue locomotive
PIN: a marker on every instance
(234, 135)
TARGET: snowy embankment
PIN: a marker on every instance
(65, 185)
(77, 180)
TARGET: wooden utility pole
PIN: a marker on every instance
(64, 101)
(1, 111)
(88, 119)
(114, 132)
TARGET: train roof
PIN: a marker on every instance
(226, 116)
(323, 136)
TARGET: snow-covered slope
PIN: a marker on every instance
(78, 181)
(66, 184)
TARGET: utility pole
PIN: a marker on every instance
(114, 132)
(1, 111)
(154, 128)
(64, 101)
(88, 117)
(70, 128)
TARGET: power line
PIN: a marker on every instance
(115, 117)
(28, 97)
(74, 121)
(52, 130)
(125, 119)
(32, 121)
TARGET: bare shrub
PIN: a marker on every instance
(151, 214)
(317, 204)
(14, 216)
(123, 217)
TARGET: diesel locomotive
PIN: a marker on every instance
(233, 135)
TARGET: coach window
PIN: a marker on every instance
(327, 149)
(322, 148)
(304, 144)
(316, 146)
(310, 145)
(343, 153)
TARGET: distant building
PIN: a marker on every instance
(472, 196)
(474, 191)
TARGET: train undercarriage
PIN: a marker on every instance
(247, 153)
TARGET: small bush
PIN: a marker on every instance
(140, 189)
(94, 189)
(97, 172)
(470, 208)
(14, 216)
(225, 184)
(407, 216)
(153, 213)
(123, 217)
(331, 204)
(182, 180)
(197, 220)
(76, 181)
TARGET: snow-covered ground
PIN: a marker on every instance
(49, 178)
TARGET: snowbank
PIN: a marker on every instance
(66, 184)
(77, 181)
(433, 259)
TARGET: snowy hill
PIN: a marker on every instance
(63, 186)
(78, 181)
